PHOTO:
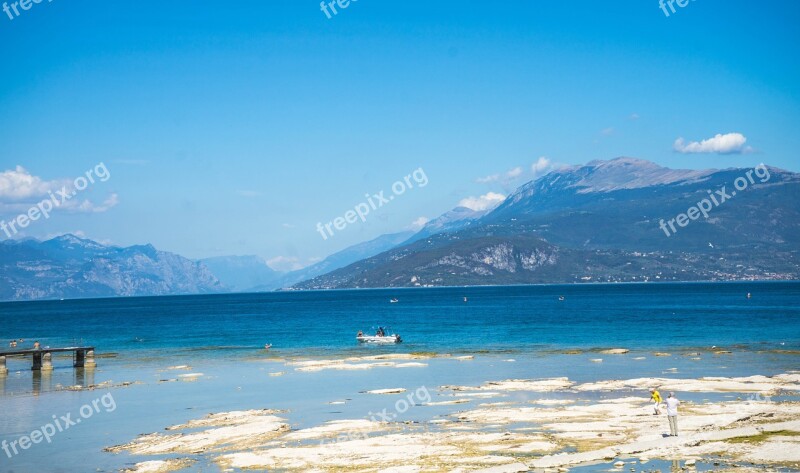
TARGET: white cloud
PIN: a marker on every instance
(607, 131)
(730, 143)
(634, 116)
(484, 202)
(248, 193)
(541, 166)
(516, 172)
(506, 176)
(90, 207)
(19, 185)
(488, 179)
(287, 225)
(20, 190)
(419, 223)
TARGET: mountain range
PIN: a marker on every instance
(72, 267)
(252, 274)
(606, 221)
(601, 222)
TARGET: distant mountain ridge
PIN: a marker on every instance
(72, 267)
(252, 274)
(241, 273)
(600, 223)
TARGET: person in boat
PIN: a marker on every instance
(360, 334)
(380, 332)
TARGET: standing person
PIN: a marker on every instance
(672, 414)
(655, 396)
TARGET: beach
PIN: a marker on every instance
(415, 407)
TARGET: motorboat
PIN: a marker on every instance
(380, 337)
(393, 338)
(393, 300)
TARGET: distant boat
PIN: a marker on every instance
(393, 300)
(749, 295)
(380, 337)
(465, 299)
(561, 298)
(393, 338)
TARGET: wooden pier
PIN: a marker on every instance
(83, 357)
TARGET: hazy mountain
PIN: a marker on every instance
(72, 267)
(241, 273)
(339, 259)
(600, 222)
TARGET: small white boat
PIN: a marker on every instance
(393, 338)
(393, 300)
(380, 337)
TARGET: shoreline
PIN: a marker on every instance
(458, 412)
(406, 288)
(498, 427)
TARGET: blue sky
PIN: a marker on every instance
(234, 127)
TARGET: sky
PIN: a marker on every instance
(235, 128)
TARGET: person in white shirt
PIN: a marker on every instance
(672, 414)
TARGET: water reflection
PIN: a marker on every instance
(83, 377)
(41, 380)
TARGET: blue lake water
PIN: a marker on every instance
(222, 336)
(523, 318)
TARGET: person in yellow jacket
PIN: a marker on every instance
(655, 396)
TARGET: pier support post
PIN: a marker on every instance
(89, 361)
(47, 362)
(3, 368)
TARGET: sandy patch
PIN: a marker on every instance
(239, 428)
(432, 451)
(160, 466)
(352, 364)
(386, 391)
(533, 385)
(750, 384)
